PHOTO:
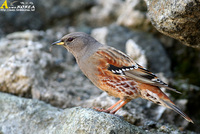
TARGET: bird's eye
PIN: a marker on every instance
(70, 39)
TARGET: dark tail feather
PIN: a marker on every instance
(176, 109)
(172, 89)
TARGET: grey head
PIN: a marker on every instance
(79, 44)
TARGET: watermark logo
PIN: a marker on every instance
(8, 5)
(4, 5)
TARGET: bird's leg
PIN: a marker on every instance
(113, 106)
(110, 108)
(121, 105)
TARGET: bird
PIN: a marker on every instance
(116, 73)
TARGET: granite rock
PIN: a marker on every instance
(177, 19)
(33, 116)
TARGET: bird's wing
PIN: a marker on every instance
(121, 64)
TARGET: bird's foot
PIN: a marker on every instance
(103, 110)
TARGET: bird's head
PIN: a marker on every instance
(77, 43)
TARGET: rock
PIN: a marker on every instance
(136, 53)
(33, 116)
(102, 13)
(22, 59)
(133, 15)
(177, 19)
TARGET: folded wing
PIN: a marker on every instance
(121, 64)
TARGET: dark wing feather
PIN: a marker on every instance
(145, 76)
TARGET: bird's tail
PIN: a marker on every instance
(171, 105)
(155, 95)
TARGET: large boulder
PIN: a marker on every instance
(30, 116)
(19, 115)
(177, 19)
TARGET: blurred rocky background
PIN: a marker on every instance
(44, 91)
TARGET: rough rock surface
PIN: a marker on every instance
(177, 19)
(33, 116)
(22, 60)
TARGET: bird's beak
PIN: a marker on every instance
(59, 42)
